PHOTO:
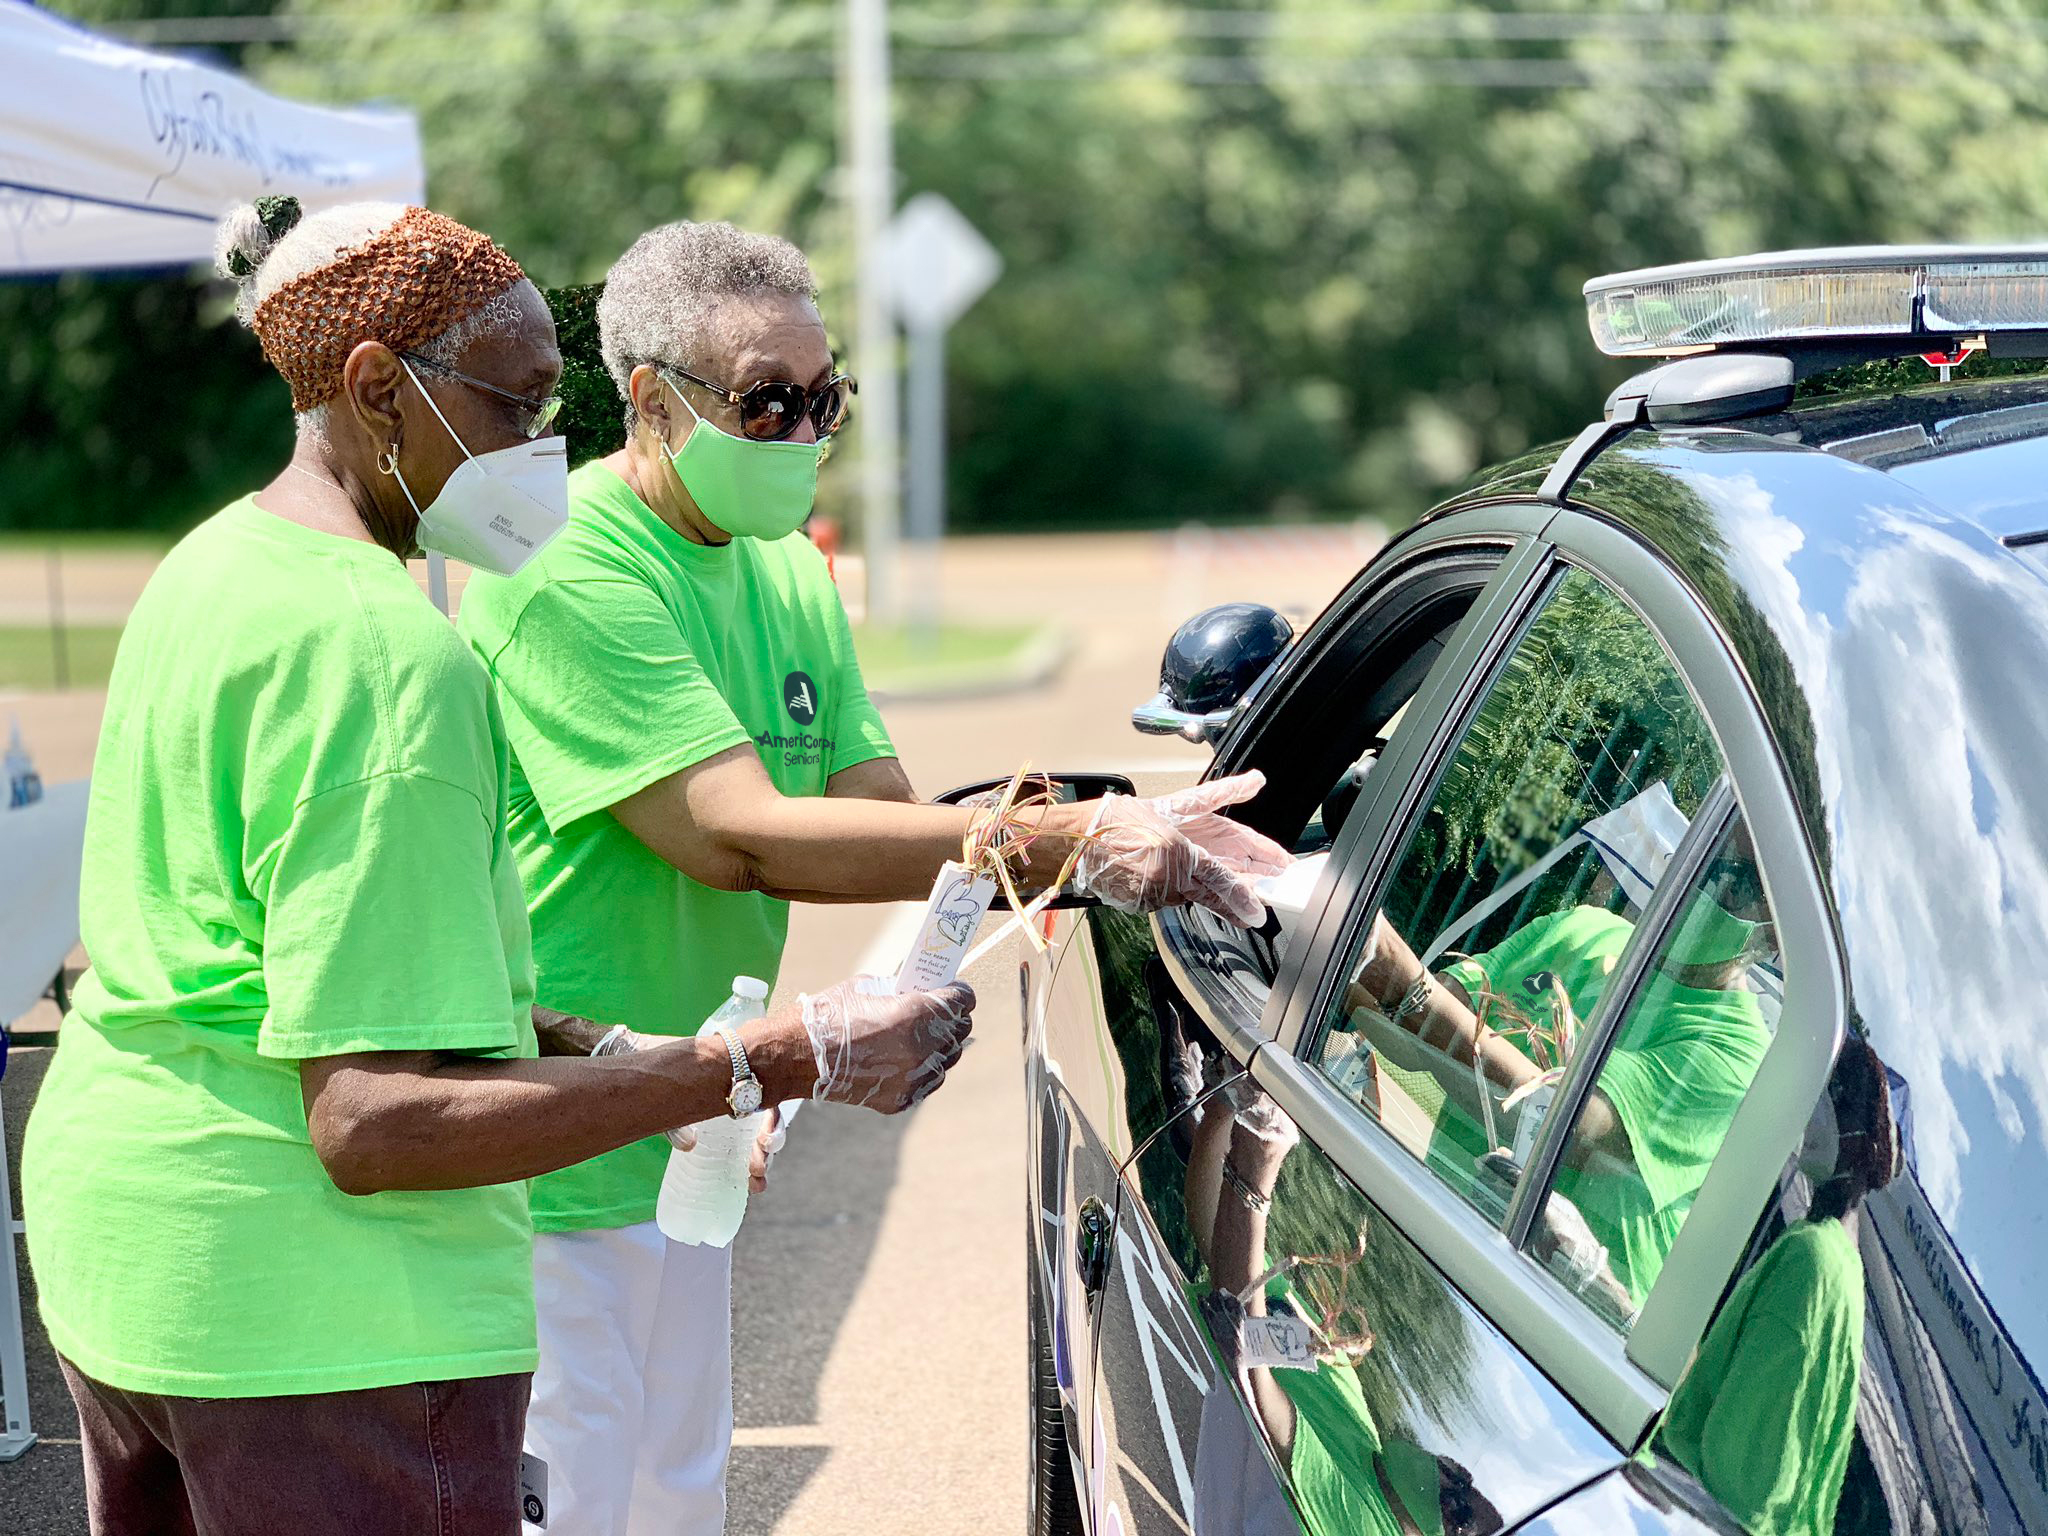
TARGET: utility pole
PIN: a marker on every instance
(871, 174)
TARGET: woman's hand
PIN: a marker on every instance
(766, 1145)
(883, 1050)
(1174, 850)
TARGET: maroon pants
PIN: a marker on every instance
(434, 1458)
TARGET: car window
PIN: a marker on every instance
(1679, 1062)
(1318, 737)
(1518, 891)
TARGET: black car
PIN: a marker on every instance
(1635, 1115)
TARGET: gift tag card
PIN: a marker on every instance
(1277, 1341)
(959, 901)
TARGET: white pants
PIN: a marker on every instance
(632, 1402)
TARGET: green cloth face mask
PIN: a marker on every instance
(1709, 934)
(749, 489)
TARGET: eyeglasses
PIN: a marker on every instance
(534, 416)
(773, 409)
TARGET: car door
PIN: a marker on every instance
(1592, 879)
(1184, 1005)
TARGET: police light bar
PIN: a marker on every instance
(1854, 293)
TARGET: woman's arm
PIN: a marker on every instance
(723, 823)
(385, 1120)
(1440, 1014)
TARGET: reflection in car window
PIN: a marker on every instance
(1519, 889)
(1766, 1413)
(1683, 1057)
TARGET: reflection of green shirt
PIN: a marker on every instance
(1765, 1414)
(1679, 1067)
(622, 654)
(1330, 1467)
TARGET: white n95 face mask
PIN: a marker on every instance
(499, 509)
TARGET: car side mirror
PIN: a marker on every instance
(1210, 664)
(1067, 789)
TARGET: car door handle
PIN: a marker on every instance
(1097, 1230)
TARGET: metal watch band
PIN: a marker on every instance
(1413, 1001)
(1242, 1188)
(742, 1074)
(737, 1052)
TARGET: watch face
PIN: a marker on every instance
(746, 1096)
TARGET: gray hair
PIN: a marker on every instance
(660, 296)
(241, 245)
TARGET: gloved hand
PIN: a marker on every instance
(1564, 1236)
(766, 1145)
(1141, 855)
(1260, 1119)
(885, 1051)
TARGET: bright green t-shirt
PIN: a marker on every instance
(1680, 1065)
(622, 654)
(295, 847)
(1765, 1415)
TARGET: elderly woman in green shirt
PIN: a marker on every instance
(274, 1180)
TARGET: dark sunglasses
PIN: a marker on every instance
(534, 416)
(773, 409)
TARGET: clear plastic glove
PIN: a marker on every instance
(627, 1042)
(1581, 1258)
(1259, 1118)
(766, 1145)
(1177, 849)
(885, 1051)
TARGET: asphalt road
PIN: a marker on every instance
(878, 1295)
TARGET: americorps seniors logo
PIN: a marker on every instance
(800, 697)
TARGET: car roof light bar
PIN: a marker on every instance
(1884, 298)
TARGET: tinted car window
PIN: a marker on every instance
(1518, 890)
(1682, 1057)
(1320, 735)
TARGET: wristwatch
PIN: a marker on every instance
(745, 1097)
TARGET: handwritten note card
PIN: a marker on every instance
(959, 902)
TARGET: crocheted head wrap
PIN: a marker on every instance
(403, 286)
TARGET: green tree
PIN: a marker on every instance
(1262, 258)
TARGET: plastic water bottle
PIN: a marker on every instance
(704, 1191)
(24, 786)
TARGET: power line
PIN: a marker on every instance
(934, 28)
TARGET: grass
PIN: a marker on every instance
(34, 541)
(28, 658)
(902, 658)
(892, 658)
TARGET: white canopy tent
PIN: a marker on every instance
(112, 157)
(115, 157)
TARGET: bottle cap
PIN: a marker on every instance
(752, 987)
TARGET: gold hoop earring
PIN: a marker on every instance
(387, 461)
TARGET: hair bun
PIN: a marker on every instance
(249, 233)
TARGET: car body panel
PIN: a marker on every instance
(1898, 651)
(1890, 648)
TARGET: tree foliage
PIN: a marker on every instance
(1260, 259)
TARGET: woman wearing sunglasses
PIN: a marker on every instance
(693, 749)
(275, 1180)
